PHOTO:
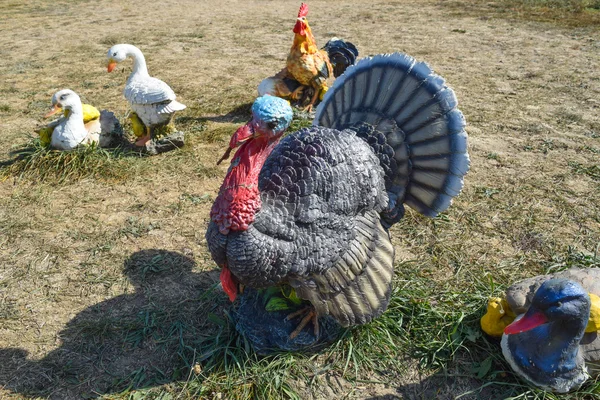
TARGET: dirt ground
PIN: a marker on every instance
(71, 254)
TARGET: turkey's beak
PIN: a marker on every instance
(111, 65)
(526, 323)
(55, 109)
(229, 283)
(240, 136)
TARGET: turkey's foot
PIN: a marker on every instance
(309, 315)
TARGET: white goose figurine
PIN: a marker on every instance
(78, 126)
(150, 98)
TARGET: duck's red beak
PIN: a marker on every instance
(527, 322)
(229, 283)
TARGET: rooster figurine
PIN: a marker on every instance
(308, 68)
(312, 212)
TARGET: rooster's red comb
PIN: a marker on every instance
(303, 10)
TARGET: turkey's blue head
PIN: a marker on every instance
(543, 345)
(271, 116)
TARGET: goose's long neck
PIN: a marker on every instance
(139, 62)
(75, 116)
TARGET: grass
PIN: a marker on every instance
(107, 288)
(36, 162)
(435, 325)
(570, 13)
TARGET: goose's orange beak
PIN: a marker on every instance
(111, 65)
(55, 109)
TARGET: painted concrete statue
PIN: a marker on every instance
(304, 79)
(153, 103)
(553, 343)
(79, 124)
(302, 224)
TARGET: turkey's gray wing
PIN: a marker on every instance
(319, 228)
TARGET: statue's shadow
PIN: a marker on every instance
(134, 340)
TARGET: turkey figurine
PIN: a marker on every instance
(153, 102)
(553, 342)
(312, 211)
(308, 68)
(80, 124)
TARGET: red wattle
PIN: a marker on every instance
(240, 136)
(239, 197)
(528, 322)
(229, 284)
(299, 28)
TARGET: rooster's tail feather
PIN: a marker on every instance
(342, 54)
(425, 145)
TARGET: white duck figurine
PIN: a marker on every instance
(553, 344)
(80, 124)
(150, 98)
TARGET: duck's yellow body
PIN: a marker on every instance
(137, 126)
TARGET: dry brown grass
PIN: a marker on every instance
(101, 282)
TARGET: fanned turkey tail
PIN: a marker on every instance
(410, 119)
(342, 54)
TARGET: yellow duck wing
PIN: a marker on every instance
(45, 132)
(497, 317)
(90, 113)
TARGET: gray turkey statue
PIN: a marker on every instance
(300, 226)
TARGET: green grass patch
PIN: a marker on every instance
(301, 120)
(38, 163)
(593, 171)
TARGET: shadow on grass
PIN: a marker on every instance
(238, 114)
(137, 340)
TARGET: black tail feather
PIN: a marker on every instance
(342, 54)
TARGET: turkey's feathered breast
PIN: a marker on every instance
(313, 186)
